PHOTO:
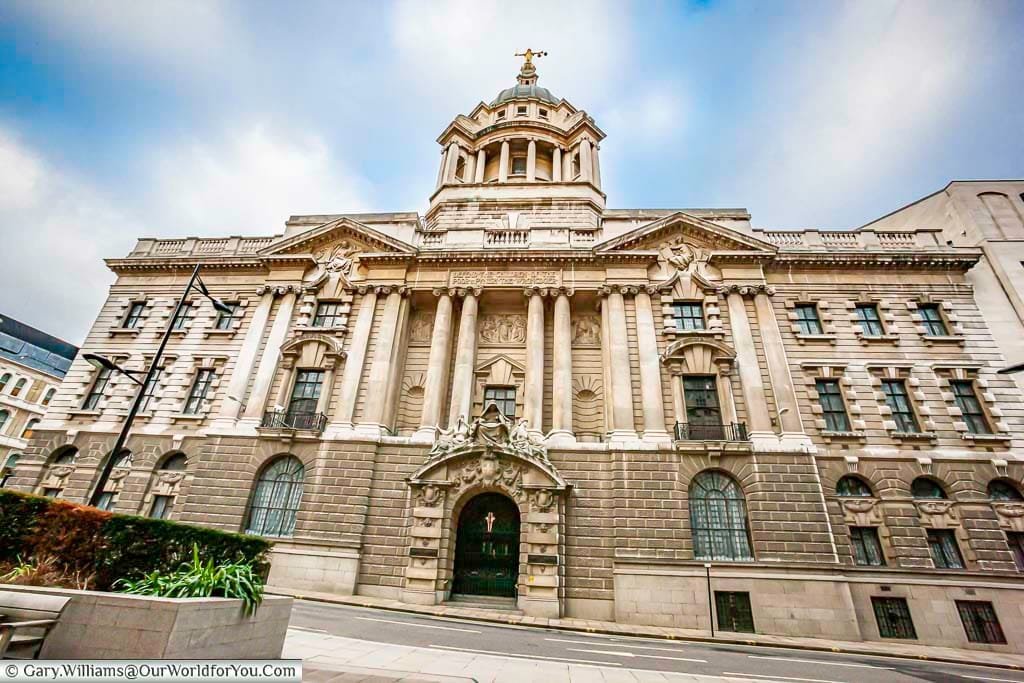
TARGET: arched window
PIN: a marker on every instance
(48, 396)
(178, 461)
(275, 500)
(65, 456)
(923, 487)
(12, 460)
(18, 386)
(853, 487)
(124, 459)
(718, 518)
(29, 426)
(4, 380)
(4, 416)
(1000, 489)
(7, 471)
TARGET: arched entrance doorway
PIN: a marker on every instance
(487, 547)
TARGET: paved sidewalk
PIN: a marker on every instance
(924, 652)
(355, 674)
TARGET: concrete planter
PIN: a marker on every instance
(118, 626)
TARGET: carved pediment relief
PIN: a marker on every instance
(698, 235)
(344, 233)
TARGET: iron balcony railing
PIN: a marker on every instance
(283, 419)
(687, 431)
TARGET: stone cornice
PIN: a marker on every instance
(957, 259)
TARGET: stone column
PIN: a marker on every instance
(437, 367)
(597, 166)
(650, 370)
(606, 364)
(231, 406)
(353, 373)
(453, 162)
(778, 371)
(533, 396)
(380, 369)
(750, 371)
(268, 364)
(470, 173)
(503, 163)
(586, 162)
(531, 161)
(442, 167)
(561, 379)
(284, 390)
(397, 367)
(465, 360)
(567, 166)
(481, 166)
(621, 394)
(323, 404)
(556, 165)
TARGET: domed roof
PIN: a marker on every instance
(518, 91)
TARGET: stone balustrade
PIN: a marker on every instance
(192, 246)
(853, 239)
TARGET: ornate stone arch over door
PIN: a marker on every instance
(439, 490)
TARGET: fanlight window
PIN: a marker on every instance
(853, 487)
(4, 416)
(276, 498)
(178, 461)
(926, 488)
(66, 457)
(718, 518)
(1003, 490)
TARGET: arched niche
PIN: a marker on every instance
(306, 356)
(690, 358)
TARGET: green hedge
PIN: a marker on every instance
(108, 547)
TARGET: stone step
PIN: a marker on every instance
(484, 602)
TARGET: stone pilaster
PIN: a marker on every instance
(257, 403)
(621, 391)
(650, 371)
(465, 358)
(481, 166)
(503, 163)
(533, 396)
(556, 165)
(453, 162)
(754, 396)
(377, 385)
(231, 406)
(561, 379)
(586, 162)
(531, 161)
(437, 367)
(778, 370)
(351, 376)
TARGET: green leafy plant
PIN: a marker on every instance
(198, 579)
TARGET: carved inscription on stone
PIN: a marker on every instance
(586, 330)
(420, 327)
(503, 329)
(504, 278)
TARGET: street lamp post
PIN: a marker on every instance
(102, 362)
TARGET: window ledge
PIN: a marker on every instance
(220, 333)
(803, 338)
(341, 329)
(180, 333)
(124, 331)
(986, 438)
(187, 417)
(843, 435)
(943, 339)
(82, 412)
(914, 436)
(878, 339)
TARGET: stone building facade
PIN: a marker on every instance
(523, 394)
(32, 364)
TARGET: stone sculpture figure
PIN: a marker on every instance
(338, 260)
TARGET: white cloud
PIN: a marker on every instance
(249, 181)
(652, 115)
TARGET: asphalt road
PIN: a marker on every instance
(625, 653)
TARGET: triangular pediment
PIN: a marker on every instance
(680, 226)
(360, 236)
(500, 364)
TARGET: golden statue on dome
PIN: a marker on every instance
(529, 55)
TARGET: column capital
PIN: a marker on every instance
(443, 291)
(623, 289)
(461, 292)
(277, 290)
(746, 290)
(385, 290)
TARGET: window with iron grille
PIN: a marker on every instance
(1015, 539)
(967, 401)
(149, 392)
(305, 393)
(200, 387)
(185, 315)
(944, 549)
(161, 508)
(328, 314)
(833, 409)
(869, 320)
(931, 318)
(733, 611)
(225, 320)
(898, 400)
(134, 317)
(867, 550)
(893, 618)
(276, 498)
(980, 621)
(718, 518)
(92, 399)
(503, 397)
(807, 319)
(689, 315)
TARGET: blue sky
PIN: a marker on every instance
(127, 119)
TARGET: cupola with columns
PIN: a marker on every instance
(524, 150)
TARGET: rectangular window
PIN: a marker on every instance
(830, 397)
(149, 393)
(898, 400)
(184, 316)
(225, 321)
(980, 622)
(305, 397)
(161, 508)
(703, 416)
(106, 501)
(945, 551)
(867, 551)
(542, 112)
(689, 315)
(733, 611)
(521, 110)
(92, 399)
(501, 115)
(931, 318)
(869, 320)
(328, 314)
(199, 389)
(503, 397)
(967, 401)
(134, 317)
(807, 319)
(518, 165)
(1015, 539)
(893, 618)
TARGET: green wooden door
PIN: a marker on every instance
(487, 547)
